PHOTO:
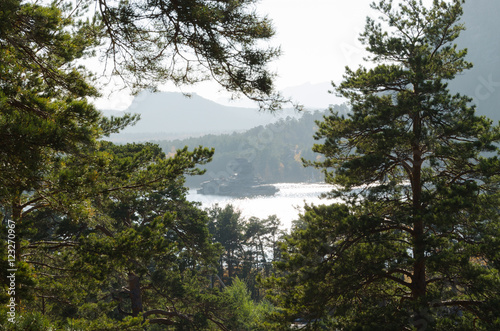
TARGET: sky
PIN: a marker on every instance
(318, 38)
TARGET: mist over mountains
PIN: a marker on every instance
(172, 115)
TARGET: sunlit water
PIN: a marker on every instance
(286, 204)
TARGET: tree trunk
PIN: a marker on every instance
(419, 283)
(419, 271)
(230, 265)
(134, 284)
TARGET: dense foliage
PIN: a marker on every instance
(415, 243)
(101, 236)
(275, 151)
(249, 246)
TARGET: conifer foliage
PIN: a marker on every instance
(415, 243)
(101, 236)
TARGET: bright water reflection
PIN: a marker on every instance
(286, 204)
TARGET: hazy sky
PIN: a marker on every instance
(318, 39)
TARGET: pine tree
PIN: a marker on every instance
(150, 42)
(133, 242)
(414, 243)
(63, 189)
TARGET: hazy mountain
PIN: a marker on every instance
(168, 115)
(481, 39)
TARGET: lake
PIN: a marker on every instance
(286, 204)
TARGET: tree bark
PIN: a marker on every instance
(419, 284)
(134, 284)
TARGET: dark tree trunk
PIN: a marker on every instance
(419, 283)
(134, 284)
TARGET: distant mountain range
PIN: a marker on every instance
(172, 115)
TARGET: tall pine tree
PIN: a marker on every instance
(415, 242)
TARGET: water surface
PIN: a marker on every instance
(286, 204)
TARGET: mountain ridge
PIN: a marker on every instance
(170, 114)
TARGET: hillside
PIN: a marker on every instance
(275, 150)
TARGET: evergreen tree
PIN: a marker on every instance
(93, 221)
(45, 121)
(137, 248)
(261, 238)
(415, 243)
(188, 41)
(226, 226)
(246, 313)
(249, 246)
(146, 43)
(44, 90)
